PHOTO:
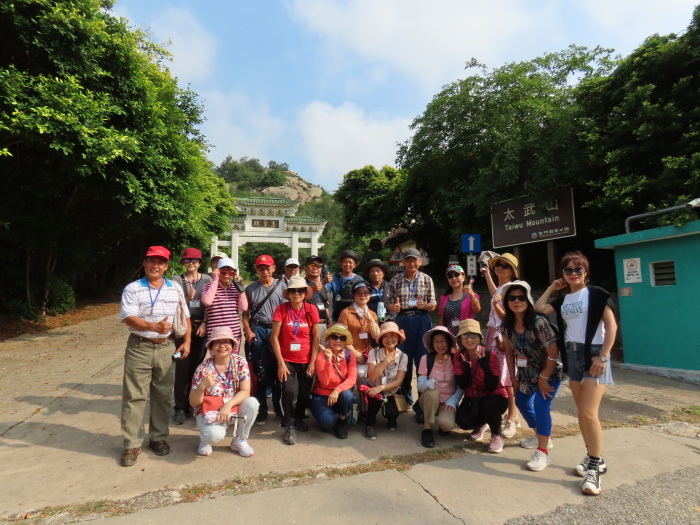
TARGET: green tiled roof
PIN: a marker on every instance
(304, 220)
(237, 218)
(265, 201)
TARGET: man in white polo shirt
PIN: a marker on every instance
(148, 309)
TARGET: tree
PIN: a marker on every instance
(642, 131)
(102, 149)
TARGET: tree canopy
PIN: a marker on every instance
(101, 148)
(248, 176)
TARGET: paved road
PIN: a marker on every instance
(59, 431)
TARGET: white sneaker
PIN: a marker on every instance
(242, 447)
(591, 483)
(508, 429)
(204, 449)
(532, 442)
(539, 461)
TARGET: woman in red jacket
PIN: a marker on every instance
(336, 371)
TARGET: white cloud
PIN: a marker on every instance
(339, 139)
(239, 126)
(193, 48)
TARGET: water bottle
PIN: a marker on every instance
(381, 311)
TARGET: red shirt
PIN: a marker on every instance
(327, 376)
(296, 329)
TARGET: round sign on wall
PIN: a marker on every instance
(375, 245)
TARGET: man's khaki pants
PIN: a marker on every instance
(148, 369)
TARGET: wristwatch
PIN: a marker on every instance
(603, 358)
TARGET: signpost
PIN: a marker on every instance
(533, 219)
(471, 242)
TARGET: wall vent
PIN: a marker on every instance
(663, 273)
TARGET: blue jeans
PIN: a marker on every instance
(414, 327)
(328, 415)
(537, 411)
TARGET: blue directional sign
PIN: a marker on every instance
(471, 242)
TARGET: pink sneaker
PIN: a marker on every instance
(496, 445)
(478, 433)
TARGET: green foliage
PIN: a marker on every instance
(247, 176)
(642, 130)
(102, 149)
(61, 297)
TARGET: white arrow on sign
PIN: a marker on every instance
(471, 243)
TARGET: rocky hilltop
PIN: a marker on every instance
(295, 188)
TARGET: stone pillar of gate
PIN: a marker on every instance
(295, 245)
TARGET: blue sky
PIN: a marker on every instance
(328, 86)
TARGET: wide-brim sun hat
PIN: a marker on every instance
(349, 253)
(427, 336)
(377, 263)
(391, 328)
(339, 329)
(469, 326)
(507, 257)
(522, 284)
(297, 281)
(222, 332)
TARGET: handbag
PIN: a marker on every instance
(212, 404)
(401, 404)
(180, 320)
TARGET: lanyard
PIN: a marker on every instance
(522, 342)
(295, 321)
(153, 301)
(378, 293)
(226, 380)
(412, 289)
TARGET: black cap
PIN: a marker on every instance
(312, 258)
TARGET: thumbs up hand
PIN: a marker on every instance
(396, 307)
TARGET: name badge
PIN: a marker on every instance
(455, 322)
(521, 362)
(321, 307)
(195, 303)
(412, 302)
(364, 335)
(295, 347)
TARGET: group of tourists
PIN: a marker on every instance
(343, 348)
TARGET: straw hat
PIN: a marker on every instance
(297, 281)
(339, 329)
(507, 257)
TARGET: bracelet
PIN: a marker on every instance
(554, 359)
(544, 377)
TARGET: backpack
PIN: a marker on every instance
(345, 296)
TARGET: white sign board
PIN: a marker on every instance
(633, 270)
(396, 255)
(471, 265)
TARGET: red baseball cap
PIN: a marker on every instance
(158, 251)
(192, 253)
(264, 260)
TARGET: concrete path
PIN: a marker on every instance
(60, 444)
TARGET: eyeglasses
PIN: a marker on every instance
(503, 265)
(453, 275)
(221, 343)
(580, 270)
(471, 336)
(363, 294)
(296, 290)
(513, 298)
(315, 266)
(336, 337)
(190, 261)
(227, 272)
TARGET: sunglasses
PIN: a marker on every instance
(336, 337)
(190, 261)
(315, 266)
(453, 275)
(580, 270)
(226, 272)
(513, 298)
(503, 265)
(471, 336)
(296, 290)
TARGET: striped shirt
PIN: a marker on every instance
(141, 300)
(224, 309)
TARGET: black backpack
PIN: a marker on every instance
(345, 296)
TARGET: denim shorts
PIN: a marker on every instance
(576, 364)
